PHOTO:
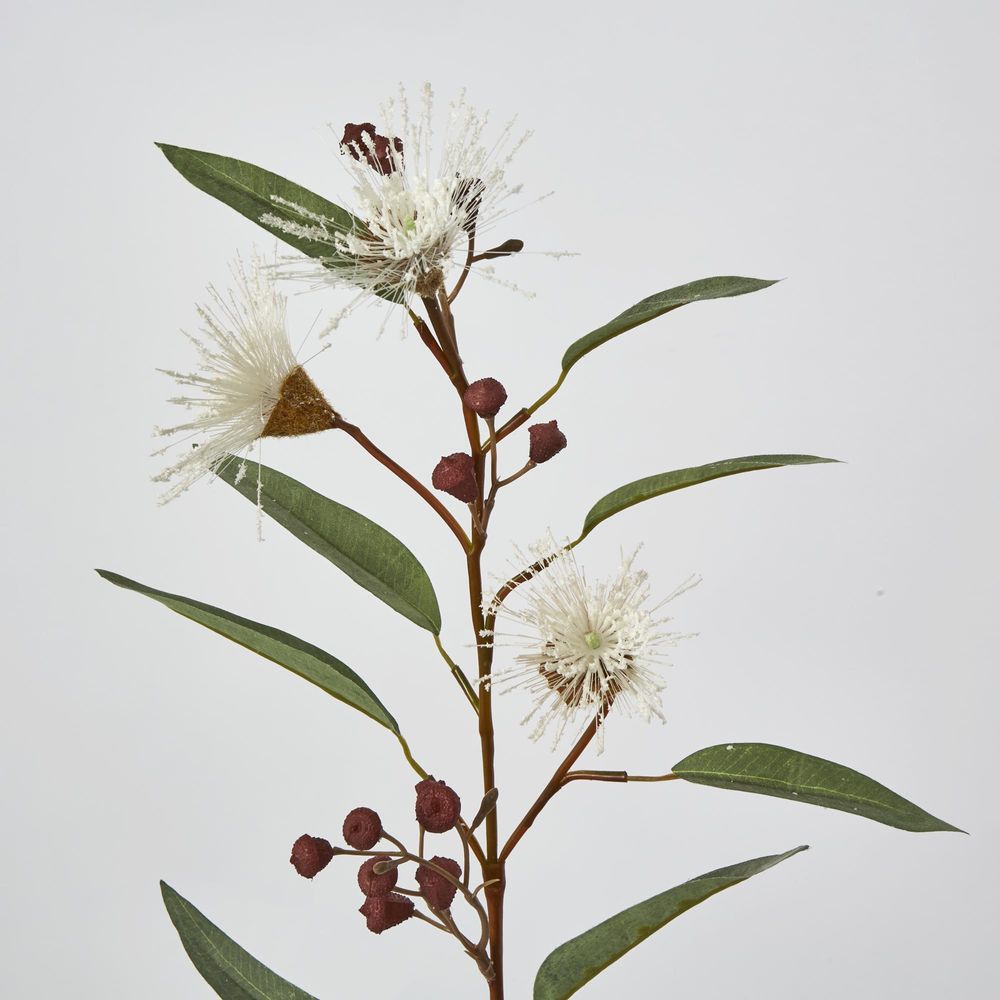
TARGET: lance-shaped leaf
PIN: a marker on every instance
(366, 552)
(656, 305)
(251, 190)
(666, 482)
(789, 774)
(573, 964)
(302, 658)
(231, 971)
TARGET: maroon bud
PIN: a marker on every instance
(434, 887)
(456, 474)
(485, 397)
(383, 912)
(546, 442)
(310, 855)
(438, 806)
(376, 885)
(362, 828)
(363, 143)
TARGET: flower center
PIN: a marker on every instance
(593, 640)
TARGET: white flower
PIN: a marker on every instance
(413, 216)
(249, 384)
(588, 647)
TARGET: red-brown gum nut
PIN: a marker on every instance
(546, 441)
(438, 806)
(456, 474)
(383, 912)
(485, 397)
(362, 828)
(434, 887)
(310, 855)
(376, 885)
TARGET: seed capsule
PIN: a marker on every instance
(383, 912)
(376, 885)
(438, 806)
(456, 474)
(362, 828)
(310, 855)
(546, 441)
(434, 887)
(485, 397)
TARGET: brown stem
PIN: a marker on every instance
(469, 258)
(397, 470)
(432, 345)
(459, 675)
(427, 919)
(443, 323)
(555, 783)
(619, 776)
(522, 416)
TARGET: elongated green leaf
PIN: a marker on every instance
(367, 553)
(230, 970)
(789, 774)
(573, 964)
(302, 658)
(658, 304)
(666, 482)
(249, 189)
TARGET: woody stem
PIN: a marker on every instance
(397, 470)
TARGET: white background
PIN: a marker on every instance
(846, 610)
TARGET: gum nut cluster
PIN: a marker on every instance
(485, 397)
(545, 441)
(438, 806)
(310, 855)
(438, 891)
(362, 828)
(456, 475)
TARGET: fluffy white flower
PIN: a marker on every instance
(414, 215)
(249, 384)
(588, 647)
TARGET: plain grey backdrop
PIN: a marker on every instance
(848, 611)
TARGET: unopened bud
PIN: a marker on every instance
(383, 912)
(438, 806)
(363, 143)
(434, 887)
(362, 828)
(376, 884)
(485, 397)
(456, 474)
(310, 855)
(505, 249)
(546, 441)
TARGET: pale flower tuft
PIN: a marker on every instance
(248, 385)
(587, 648)
(413, 213)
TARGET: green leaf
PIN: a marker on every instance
(789, 774)
(658, 304)
(233, 973)
(666, 482)
(248, 189)
(301, 658)
(367, 553)
(573, 964)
